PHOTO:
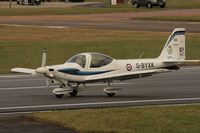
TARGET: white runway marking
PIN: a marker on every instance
(23, 88)
(22, 80)
(30, 112)
(37, 26)
(39, 87)
(14, 76)
(194, 23)
(98, 103)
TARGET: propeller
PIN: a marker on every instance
(39, 70)
(42, 69)
(44, 58)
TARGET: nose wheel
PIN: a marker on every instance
(59, 95)
(111, 94)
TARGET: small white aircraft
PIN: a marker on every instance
(95, 67)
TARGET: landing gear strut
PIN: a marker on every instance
(111, 91)
(110, 94)
(74, 90)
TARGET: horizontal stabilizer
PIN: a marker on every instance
(24, 70)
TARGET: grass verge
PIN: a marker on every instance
(52, 11)
(157, 119)
(180, 4)
(22, 46)
(65, 11)
(173, 18)
(171, 4)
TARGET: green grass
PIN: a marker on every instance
(54, 11)
(50, 11)
(180, 4)
(65, 11)
(171, 4)
(165, 119)
(22, 46)
(172, 18)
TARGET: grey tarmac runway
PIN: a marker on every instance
(137, 25)
(24, 93)
(114, 21)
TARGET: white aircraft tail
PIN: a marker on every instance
(174, 49)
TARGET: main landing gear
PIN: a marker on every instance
(111, 91)
(73, 90)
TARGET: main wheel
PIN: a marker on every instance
(37, 3)
(163, 6)
(110, 94)
(149, 5)
(73, 93)
(59, 95)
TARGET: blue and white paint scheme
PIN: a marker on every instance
(95, 67)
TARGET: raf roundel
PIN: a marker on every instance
(129, 67)
(169, 50)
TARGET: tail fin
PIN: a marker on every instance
(174, 49)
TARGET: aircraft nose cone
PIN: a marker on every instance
(41, 70)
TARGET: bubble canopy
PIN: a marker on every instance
(94, 60)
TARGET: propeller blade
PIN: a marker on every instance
(44, 57)
(40, 70)
(24, 70)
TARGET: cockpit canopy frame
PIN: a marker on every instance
(92, 60)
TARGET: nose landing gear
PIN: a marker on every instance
(71, 90)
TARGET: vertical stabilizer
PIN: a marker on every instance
(174, 49)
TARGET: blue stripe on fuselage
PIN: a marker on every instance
(77, 72)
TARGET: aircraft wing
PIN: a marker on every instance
(24, 70)
(127, 75)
